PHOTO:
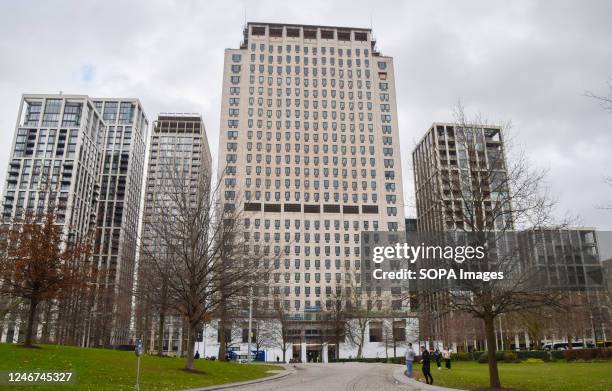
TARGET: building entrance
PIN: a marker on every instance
(313, 353)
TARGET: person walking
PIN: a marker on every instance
(410, 354)
(438, 357)
(446, 355)
(426, 368)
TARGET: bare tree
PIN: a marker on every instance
(337, 312)
(39, 263)
(153, 299)
(231, 335)
(362, 310)
(263, 334)
(606, 103)
(535, 323)
(493, 196)
(604, 100)
(279, 331)
(388, 336)
(572, 317)
(195, 242)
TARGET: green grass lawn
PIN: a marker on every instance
(553, 376)
(103, 369)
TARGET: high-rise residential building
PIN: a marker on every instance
(454, 163)
(445, 161)
(55, 159)
(117, 216)
(178, 145)
(461, 182)
(85, 155)
(309, 150)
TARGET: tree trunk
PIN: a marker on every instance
(387, 349)
(190, 344)
(569, 342)
(361, 341)
(284, 351)
(222, 341)
(491, 350)
(31, 315)
(160, 334)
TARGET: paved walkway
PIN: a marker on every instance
(353, 376)
(399, 375)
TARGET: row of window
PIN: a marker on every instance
(315, 103)
(314, 50)
(386, 129)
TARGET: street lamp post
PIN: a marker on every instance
(249, 336)
(501, 332)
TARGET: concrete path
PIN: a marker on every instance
(399, 375)
(351, 376)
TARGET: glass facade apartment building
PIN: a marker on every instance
(85, 157)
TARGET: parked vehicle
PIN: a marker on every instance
(239, 356)
(565, 345)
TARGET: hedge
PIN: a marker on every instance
(587, 354)
(544, 355)
(508, 356)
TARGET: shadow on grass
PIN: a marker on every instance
(495, 389)
(30, 347)
(194, 371)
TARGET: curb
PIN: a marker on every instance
(399, 375)
(277, 376)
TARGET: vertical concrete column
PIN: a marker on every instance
(325, 350)
(303, 355)
(16, 330)
(517, 342)
(527, 341)
(170, 333)
(4, 331)
(152, 337)
(180, 343)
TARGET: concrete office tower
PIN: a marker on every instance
(55, 158)
(178, 142)
(443, 161)
(117, 217)
(309, 148)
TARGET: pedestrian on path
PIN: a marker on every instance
(426, 361)
(410, 354)
(446, 355)
(438, 357)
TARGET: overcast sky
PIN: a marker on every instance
(528, 62)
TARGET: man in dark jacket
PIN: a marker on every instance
(426, 361)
